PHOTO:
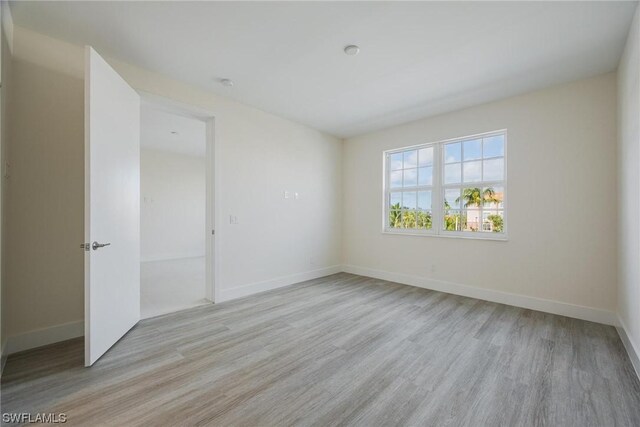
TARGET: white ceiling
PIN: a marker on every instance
(417, 59)
(156, 129)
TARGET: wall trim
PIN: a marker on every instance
(548, 306)
(44, 336)
(66, 331)
(632, 349)
(174, 256)
(279, 282)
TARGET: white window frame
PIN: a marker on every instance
(437, 195)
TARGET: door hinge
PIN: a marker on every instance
(213, 232)
(85, 246)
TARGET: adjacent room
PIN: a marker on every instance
(173, 197)
(320, 213)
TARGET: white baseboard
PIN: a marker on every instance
(44, 336)
(632, 349)
(71, 330)
(554, 307)
(67, 331)
(168, 257)
(267, 285)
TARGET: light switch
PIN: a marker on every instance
(296, 196)
(286, 194)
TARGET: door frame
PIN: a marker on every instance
(212, 215)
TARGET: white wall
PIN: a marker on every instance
(44, 270)
(172, 211)
(629, 188)
(561, 200)
(258, 156)
(6, 35)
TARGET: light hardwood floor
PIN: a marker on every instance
(341, 350)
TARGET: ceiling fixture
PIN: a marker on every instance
(227, 82)
(173, 132)
(352, 50)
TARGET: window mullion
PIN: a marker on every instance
(436, 202)
(387, 192)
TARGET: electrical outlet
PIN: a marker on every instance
(233, 219)
(296, 196)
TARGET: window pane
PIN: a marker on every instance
(410, 178)
(452, 173)
(396, 161)
(493, 146)
(396, 179)
(454, 221)
(493, 222)
(410, 159)
(451, 198)
(409, 200)
(409, 219)
(493, 170)
(425, 176)
(424, 200)
(473, 217)
(395, 218)
(425, 157)
(493, 197)
(471, 171)
(395, 200)
(472, 149)
(452, 152)
(424, 220)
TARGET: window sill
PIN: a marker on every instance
(501, 238)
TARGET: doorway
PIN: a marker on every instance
(174, 208)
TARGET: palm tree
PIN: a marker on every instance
(395, 217)
(409, 219)
(424, 220)
(491, 196)
(476, 197)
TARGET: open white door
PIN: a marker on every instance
(112, 207)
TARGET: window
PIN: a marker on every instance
(450, 188)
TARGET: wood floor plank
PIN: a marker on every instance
(337, 351)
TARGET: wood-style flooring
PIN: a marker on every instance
(340, 350)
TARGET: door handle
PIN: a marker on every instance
(97, 245)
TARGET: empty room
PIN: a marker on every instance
(317, 213)
(173, 200)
